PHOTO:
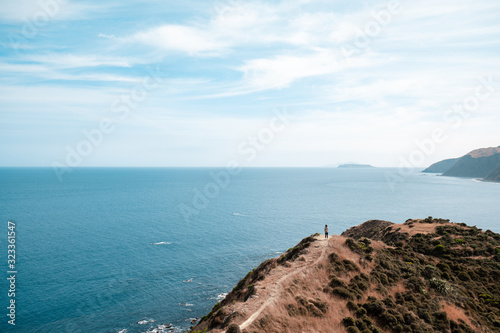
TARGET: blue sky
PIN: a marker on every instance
(366, 82)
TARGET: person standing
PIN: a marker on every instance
(326, 230)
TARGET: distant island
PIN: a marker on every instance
(425, 275)
(351, 165)
(481, 163)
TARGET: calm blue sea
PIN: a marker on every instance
(109, 250)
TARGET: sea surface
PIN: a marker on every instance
(126, 250)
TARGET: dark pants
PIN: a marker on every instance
(326, 235)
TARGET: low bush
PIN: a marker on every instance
(233, 328)
(343, 293)
(348, 322)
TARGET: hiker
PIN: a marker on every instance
(326, 230)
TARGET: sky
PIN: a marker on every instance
(299, 83)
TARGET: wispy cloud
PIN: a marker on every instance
(29, 10)
(22, 72)
(228, 63)
(193, 41)
(60, 60)
(282, 70)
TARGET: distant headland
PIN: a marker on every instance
(483, 163)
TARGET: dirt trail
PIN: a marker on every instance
(274, 290)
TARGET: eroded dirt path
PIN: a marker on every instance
(274, 289)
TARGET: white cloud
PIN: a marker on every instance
(194, 41)
(390, 93)
(59, 60)
(16, 71)
(41, 11)
(281, 71)
(241, 24)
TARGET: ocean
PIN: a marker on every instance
(130, 249)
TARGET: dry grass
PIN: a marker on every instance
(284, 284)
(455, 313)
(484, 152)
(398, 288)
(305, 295)
(418, 228)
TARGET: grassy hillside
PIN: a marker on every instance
(442, 166)
(479, 163)
(494, 176)
(421, 276)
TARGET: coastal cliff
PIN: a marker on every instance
(480, 163)
(494, 176)
(425, 275)
(441, 166)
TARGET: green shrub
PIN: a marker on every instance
(429, 271)
(342, 293)
(336, 282)
(350, 266)
(375, 307)
(388, 319)
(348, 322)
(366, 241)
(352, 306)
(361, 324)
(439, 249)
(361, 282)
(423, 314)
(441, 286)
(464, 276)
(351, 243)
(360, 312)
(441, 322)
(233, 328)
(333, 257)
(443, 267)
(486, 297)
(353, 329)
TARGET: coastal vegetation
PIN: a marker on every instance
(425, 275)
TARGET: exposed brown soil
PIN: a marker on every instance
(305, 276)
(484, 152)
(425, 275)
